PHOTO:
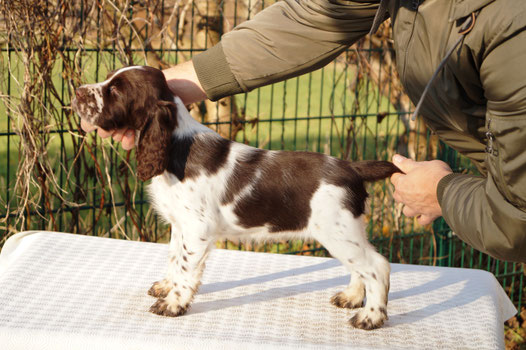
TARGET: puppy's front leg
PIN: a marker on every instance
(188, 251)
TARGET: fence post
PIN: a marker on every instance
(440, 227)
(441, 230)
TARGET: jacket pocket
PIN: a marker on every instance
(506, 156)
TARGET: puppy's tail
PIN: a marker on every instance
(374, 170)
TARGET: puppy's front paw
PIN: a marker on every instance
(160, 289)
(368, 319)
(344, 300)
(163, 308)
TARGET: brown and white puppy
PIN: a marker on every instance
(210, 188)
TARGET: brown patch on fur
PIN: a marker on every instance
(341, 173)
(160, 289)
(342, 301)
(192, 155)
(353, 243)
(243, 174)
(152, 152)
(281, 195)
(374, 170)
(84, 103)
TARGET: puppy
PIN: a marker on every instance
(210, 188)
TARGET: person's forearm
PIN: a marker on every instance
(183, 82)
(476, 211)
(285, 40)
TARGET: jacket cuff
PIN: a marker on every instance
(442, 184)
(214, 74)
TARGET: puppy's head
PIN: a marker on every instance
(134, 98)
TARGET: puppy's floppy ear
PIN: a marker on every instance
(154, 141)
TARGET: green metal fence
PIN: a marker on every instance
(55, 178)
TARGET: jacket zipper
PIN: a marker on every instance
(493, 150)
(490, 138)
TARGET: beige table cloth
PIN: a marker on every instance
(64, 291)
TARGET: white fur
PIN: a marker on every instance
(198, 218)
(187, 126)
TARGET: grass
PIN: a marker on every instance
(313, 112)
(307, 113)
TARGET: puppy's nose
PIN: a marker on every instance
(80, 93)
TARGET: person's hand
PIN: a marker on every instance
(417, 188)
(125, 136)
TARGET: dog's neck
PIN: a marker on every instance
(194, 147)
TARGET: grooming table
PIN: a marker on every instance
(64, 291)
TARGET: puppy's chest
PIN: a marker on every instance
(174, 199)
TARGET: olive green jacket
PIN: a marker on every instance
(477, 105)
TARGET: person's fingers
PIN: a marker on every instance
(426, 219)
(128, 140)
(118, 134)
(409, 212)
(125, 136)
(395, 178)
(403, 163)
(397, 197)
(104, 133)
(87, 127)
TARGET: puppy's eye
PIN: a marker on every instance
(113, 90)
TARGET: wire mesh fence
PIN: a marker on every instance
(54, 177)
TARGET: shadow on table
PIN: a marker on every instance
(475, 285)
(470, 291)
(220, 286)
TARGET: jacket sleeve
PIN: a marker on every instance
(287, 39)
(490, 213)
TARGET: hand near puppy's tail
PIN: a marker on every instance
(374, 170)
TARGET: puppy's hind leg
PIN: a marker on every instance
(369, 271)
(374, 270)
(353, 296)
(188, 252)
